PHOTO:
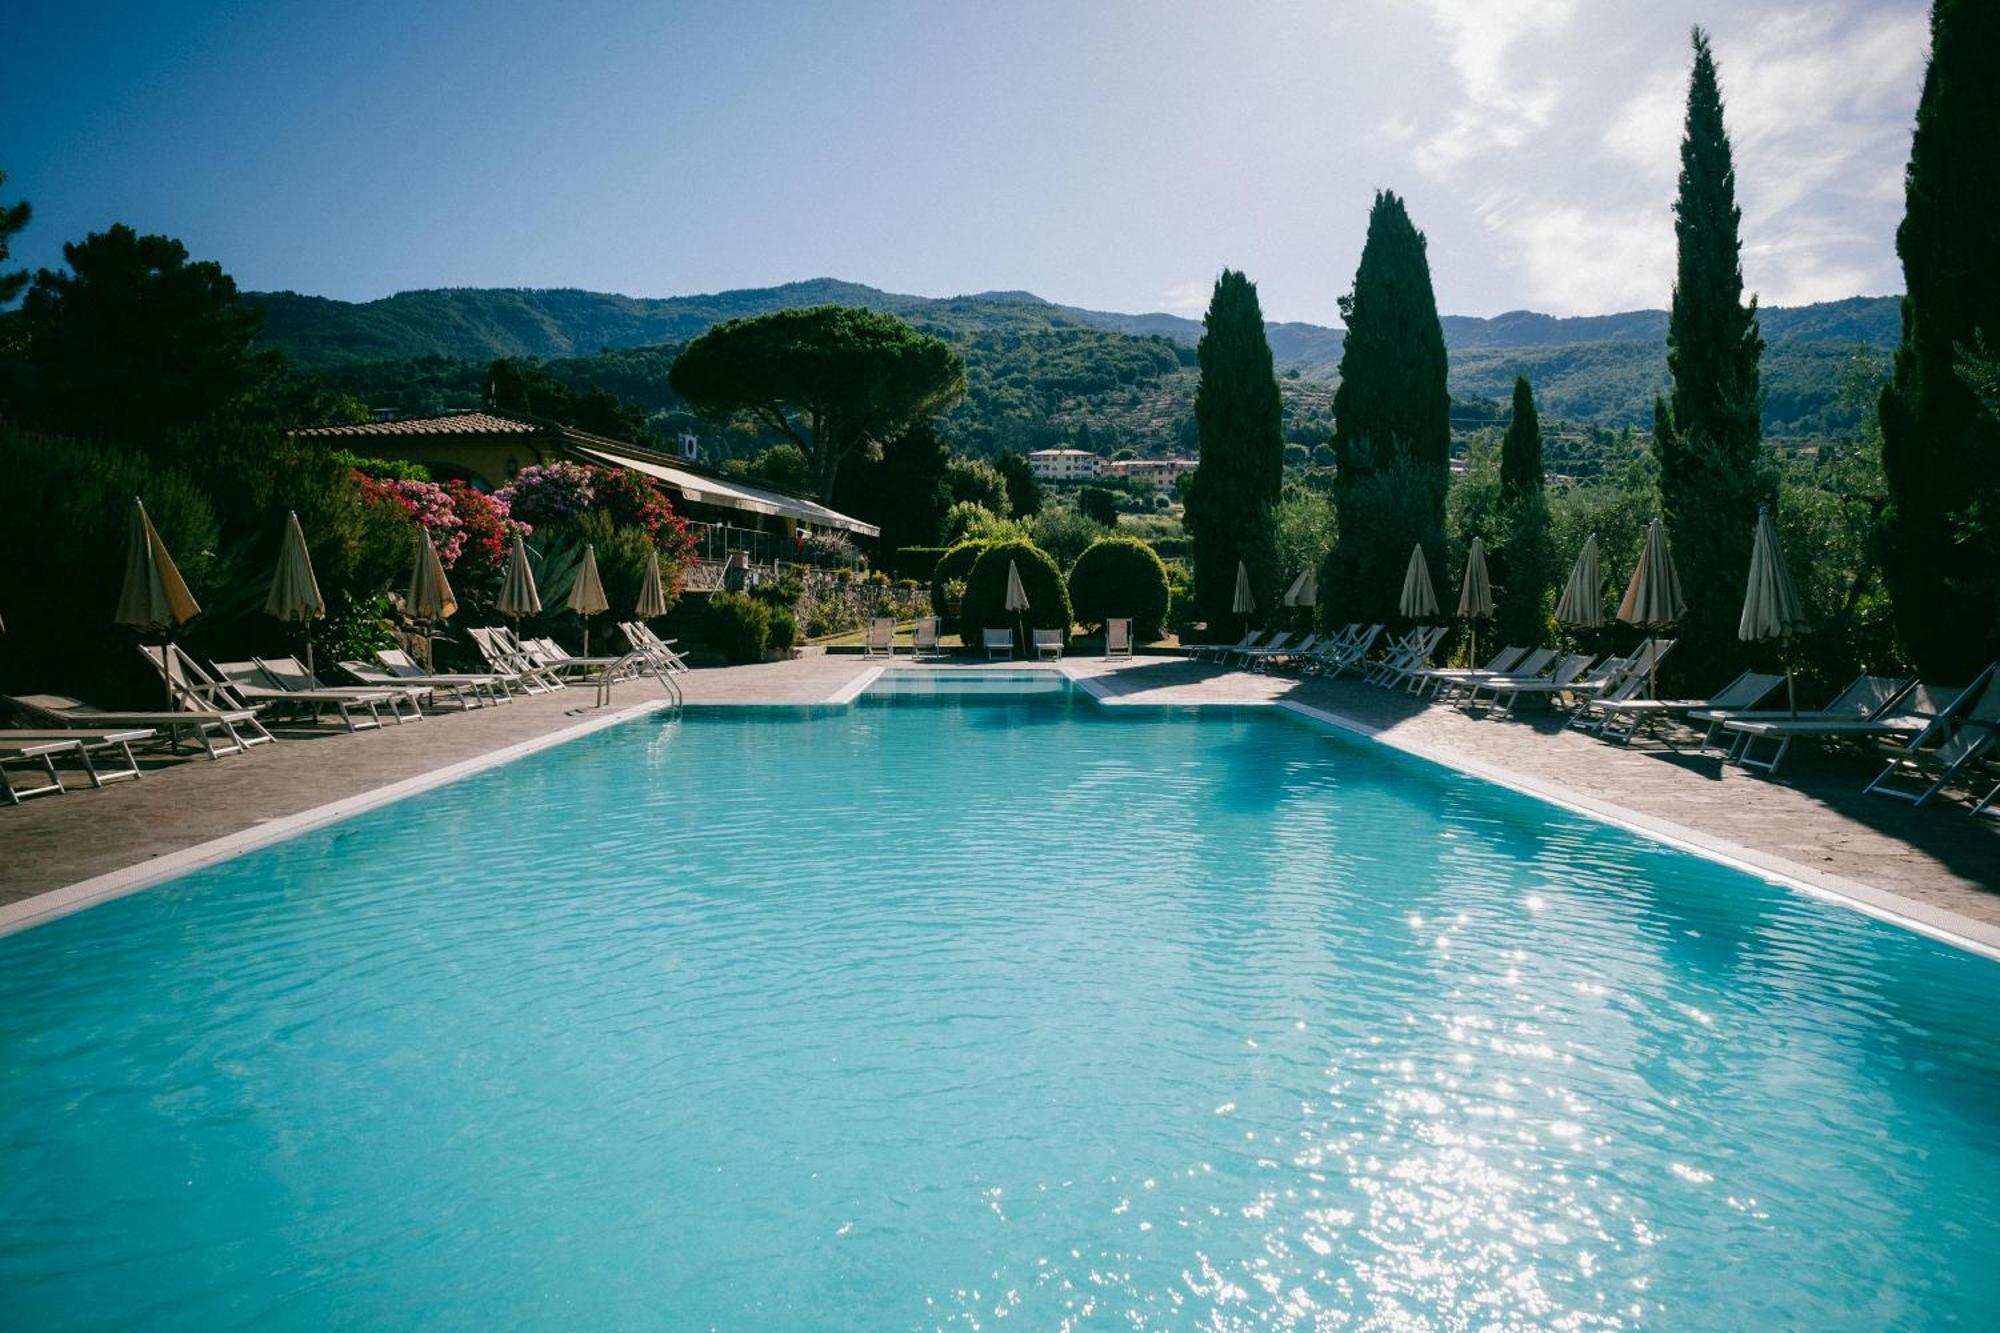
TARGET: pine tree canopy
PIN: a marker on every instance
(1232, 496)
(1940, 443)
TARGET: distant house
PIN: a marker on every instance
(486, 449)
(1063, 464)
(1165, 473)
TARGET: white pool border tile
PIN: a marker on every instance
(45, 907)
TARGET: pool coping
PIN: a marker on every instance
(41, 908)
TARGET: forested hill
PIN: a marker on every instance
(1074, 366)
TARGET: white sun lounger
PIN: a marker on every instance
(40, 754)
(1505, 662)
(1507, 690)
(251, 684)
(1862, 699)
(90, 742)
(218, 731)
(1117, 639)
(1619, 719)
(1951, 746)
(880, 640)
(1048, 644)
(999, 643)
(291, 674)
(1908, 714)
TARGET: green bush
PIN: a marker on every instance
(1064, 533)
(1117, 577)
(952, 567)
(985, 605)
(784, 630)
(738, 627)
(916, 562)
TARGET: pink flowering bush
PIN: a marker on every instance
(548, 491)
(469, 528)
(428, 504)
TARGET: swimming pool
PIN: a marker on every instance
(936, 1011)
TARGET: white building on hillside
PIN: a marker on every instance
(1064, 464)
(1165, 473)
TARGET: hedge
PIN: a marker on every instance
(916, 562)
(986, 594)
(1117, 577)
(738, 626)
(955, 563)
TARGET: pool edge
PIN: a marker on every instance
(1938, 923)
(53, 904)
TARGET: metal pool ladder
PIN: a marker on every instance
(638, 663)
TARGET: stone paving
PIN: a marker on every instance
(1814, 825)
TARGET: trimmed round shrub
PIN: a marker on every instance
(783, 634)
(952, 567)
(738, 626)
(985, 605)
(1117, 577)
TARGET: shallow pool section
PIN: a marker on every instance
(990, 1012)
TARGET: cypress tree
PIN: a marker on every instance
(1940, 445)
(1392, 421)
(1524, 570)
(1232, 497)
(1708, 438)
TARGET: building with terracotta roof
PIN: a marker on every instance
(486, 449)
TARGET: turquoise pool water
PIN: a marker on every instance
(989, 1013)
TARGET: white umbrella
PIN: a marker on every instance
(154, 595)
(430, 597)
(1475, 595)
(1771, 606)
(1419, 599)
(1582, 602)
(652, 593)
(1653, 599)
(1017, 600)
(517, 590)
(294, 594)
(1305, 589)
(586, 594)
(1242, 603)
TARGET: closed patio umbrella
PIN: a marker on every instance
(1304, 590)
(1419, 600)
(652, 602)
(1475, 594)
(430, 598)
(1017, 601)
(1243, 603)
(1771, 606)
(154, 595)
(1582, 603)
(518, 596)
(586, 594)
(294, 595)
(1653, 599)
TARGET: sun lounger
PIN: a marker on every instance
(1952, 746)
(548, 653)
(401, 666)
(924, 637)
(1620, 719)
(1275, 644)
(1251, 638)
(90, 743)
(291, 674)
(1261, 659)
(1908, 712)
(499, 653)
(1413, 656)
(880, 640)
(39, 754)
(1508, 690)
(1504, 662)
(660, 652)
(1337, 661)
(999, 643)
(466, 692)
(1117, 639)
(252, 684)
(1048, 644)
(219, 733)
(194, 690)
(1862, 699)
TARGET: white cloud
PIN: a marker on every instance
(1503, 106)
(1580, 261)
(1188, 298)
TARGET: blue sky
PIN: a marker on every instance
(1107, 154)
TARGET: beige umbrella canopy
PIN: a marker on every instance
(1419, 600)
(154, 595)
(1305, 588)
(1771, 606)
(586, 594)
(1653, 599)
(1243, 603)
(1475, 594)
(294, 595)
(652, 592)
(430, 597)
(517, 590)
(1582, 603)
(1017, 600)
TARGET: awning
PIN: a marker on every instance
(699, 488)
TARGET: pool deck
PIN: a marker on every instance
(1934, 868)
